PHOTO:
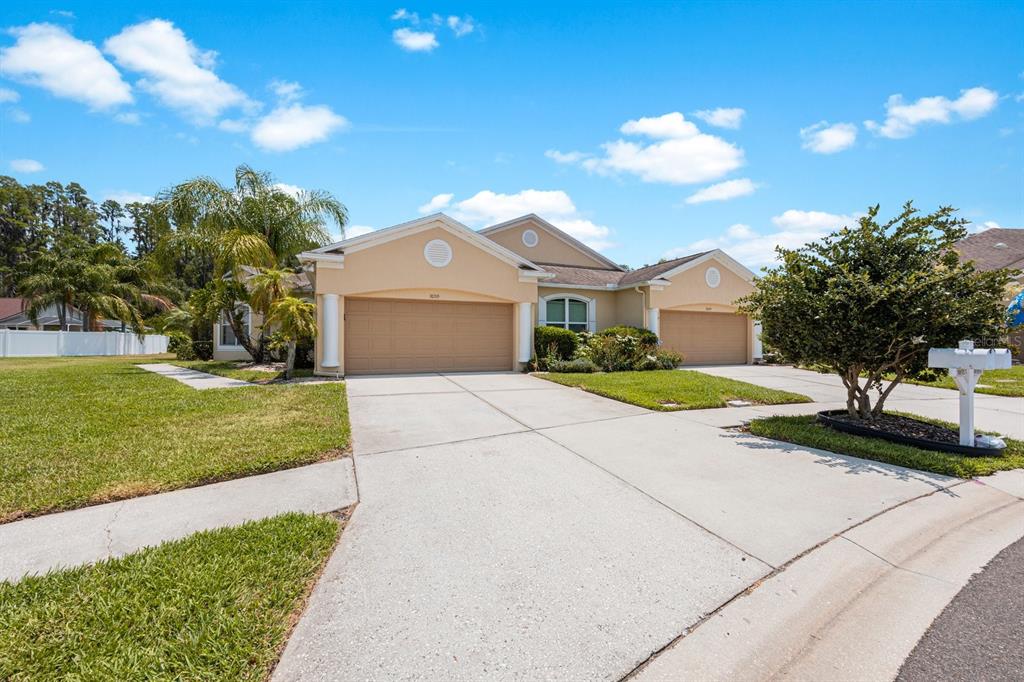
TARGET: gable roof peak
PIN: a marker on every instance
(560, 233)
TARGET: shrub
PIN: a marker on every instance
(177, 339)
(554, 342)
(203, 350)
(183, 350)
(668, 359)
(645, 336)
(577, 366)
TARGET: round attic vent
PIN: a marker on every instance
(713, 277)
(438, 253)
(530, 238)
(999, 245)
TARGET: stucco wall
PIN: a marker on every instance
(549, 248)
(397, 269)
(690, 291)
(233, 353)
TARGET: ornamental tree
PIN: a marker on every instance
(868, 302)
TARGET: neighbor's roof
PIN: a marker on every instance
(649, 272)
(10, 307)
(992, 249)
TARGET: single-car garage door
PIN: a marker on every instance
(385, 336)
(705, 338)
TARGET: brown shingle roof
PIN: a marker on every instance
(9, 307)
(983, 249)
(600, 277)
(570, 274)
(650, 272)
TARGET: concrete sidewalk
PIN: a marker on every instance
(87, 535)
(192, 378)
(1001, 414)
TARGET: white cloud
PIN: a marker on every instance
(357, 230)
(902, 119)
(233, 125)
(461, 26)
(128, 118)
(723, 191)
(488, 208)
(680, 155)
(175, 71)
(19, 115)
(403, 14)
(293, 126)
(414, 41)
(124, 197)
(8, 96)
(26, 166)
(987, 225)
(438, 203)
(565, 157)
(291, 190)
(793, 229)
(722, 118)
(286, 91)
(822, 138)
(49, 57)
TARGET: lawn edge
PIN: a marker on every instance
(95, 501)
(342, 517)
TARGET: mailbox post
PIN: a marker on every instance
(965, 365)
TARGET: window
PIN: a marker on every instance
(227, 334)
(568, 313)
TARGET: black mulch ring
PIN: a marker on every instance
(903, 426)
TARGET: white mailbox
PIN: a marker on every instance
(965, 365)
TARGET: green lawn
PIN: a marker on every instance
(235, 370)
(215, 605)
(670, 389)
(1005, 382)
(805, 430)
(76, 431)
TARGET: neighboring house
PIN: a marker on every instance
(994, 249)
(226, 345)
(13, 316)
(434, 295)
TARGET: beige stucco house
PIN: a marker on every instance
(435, 295)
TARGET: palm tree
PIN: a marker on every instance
(254, 223)
(295, 320)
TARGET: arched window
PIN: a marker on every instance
(569, 312)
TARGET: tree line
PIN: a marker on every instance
(177, 263)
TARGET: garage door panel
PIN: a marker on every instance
(426, 336)
(705, 338)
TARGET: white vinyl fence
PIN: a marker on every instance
(27, 343)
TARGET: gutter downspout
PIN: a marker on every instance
(643, 302)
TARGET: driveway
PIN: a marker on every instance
(991, 412)
(512, 528)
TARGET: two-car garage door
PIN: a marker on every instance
(705, 338)
(384, 336)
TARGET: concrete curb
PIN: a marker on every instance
(853, 608)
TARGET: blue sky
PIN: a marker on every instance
(646, 130)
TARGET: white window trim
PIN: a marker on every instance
(542, 309)
(248, 329)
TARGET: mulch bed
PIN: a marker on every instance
(903, 426)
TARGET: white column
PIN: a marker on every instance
(591, 315)
(758, 346)
(653, 319)
(525, 331)
(329, 350)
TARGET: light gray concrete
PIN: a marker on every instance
(192, 378)
(500, 381)
(398, 384)
(544, 407)
(1010, 482)
(854, 608)
(505, 558)
(773, 500)
(41, 544)
(992, 413)
(394, 422)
